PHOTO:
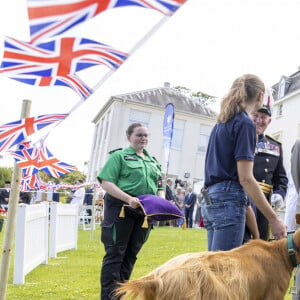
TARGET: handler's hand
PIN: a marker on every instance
(134, 202)
(278, 229)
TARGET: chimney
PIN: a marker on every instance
(167, 84)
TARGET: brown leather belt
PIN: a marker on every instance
(266, 188)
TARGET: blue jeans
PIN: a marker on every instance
(224, 218)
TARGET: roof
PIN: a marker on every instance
(292, 84)
(160, 97)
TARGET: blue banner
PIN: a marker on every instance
(168, 131)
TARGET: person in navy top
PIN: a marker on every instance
(229, 168)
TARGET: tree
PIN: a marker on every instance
(200, 97)
(5, 175)
(72, 177)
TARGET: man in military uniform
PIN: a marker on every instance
(268, 167)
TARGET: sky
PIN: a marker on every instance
(204, 46)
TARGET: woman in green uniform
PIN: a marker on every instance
(127, 173)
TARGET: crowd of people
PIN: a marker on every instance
(80, 194)
(245, 184)
(188, 202)
(24, 197)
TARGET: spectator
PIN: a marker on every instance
(4, 193)
(25, 197)
(78, 196)
(169, 193)
(189, 203)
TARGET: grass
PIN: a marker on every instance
(75, 273)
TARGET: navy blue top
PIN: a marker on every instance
(229, 142)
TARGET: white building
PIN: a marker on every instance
(285, 125)
(192, 127)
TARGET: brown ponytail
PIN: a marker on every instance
(243, 91)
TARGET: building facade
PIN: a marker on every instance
(192, 125)
(285, 124)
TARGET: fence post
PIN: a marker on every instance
(53, 229)
(20, 247)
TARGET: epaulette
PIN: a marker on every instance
(112, 151)
(271, 138)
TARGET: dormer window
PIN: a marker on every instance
(281, 88)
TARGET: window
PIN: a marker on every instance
(137, 116)
(204, 137)
(178, 131)
(280, 110)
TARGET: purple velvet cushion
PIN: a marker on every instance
(159, 209)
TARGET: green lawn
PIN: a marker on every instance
(75, 274)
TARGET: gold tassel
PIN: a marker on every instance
(145, 223)
(184, 224)
(122, 212)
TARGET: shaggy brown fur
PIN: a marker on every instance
(258, 270)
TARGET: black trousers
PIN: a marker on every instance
(123, 239)
(189, 216)
(262, 224)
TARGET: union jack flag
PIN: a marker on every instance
(49, 18)
(71, 81)
(63, 185)
(15, 132)
(32, 159)
(51, 165)
(27, 158)
(56, 62)
(32, 182)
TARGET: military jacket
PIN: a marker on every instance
(131, 173)
(268, 164)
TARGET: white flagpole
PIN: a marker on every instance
(145, 38)
(110, 72)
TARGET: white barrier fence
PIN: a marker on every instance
(63, 227)
(32, 235)
(31, 247)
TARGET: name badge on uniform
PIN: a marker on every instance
(130, 158)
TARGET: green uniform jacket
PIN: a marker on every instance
(131, 173)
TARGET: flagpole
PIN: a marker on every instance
(146, 37)
(11, 218)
